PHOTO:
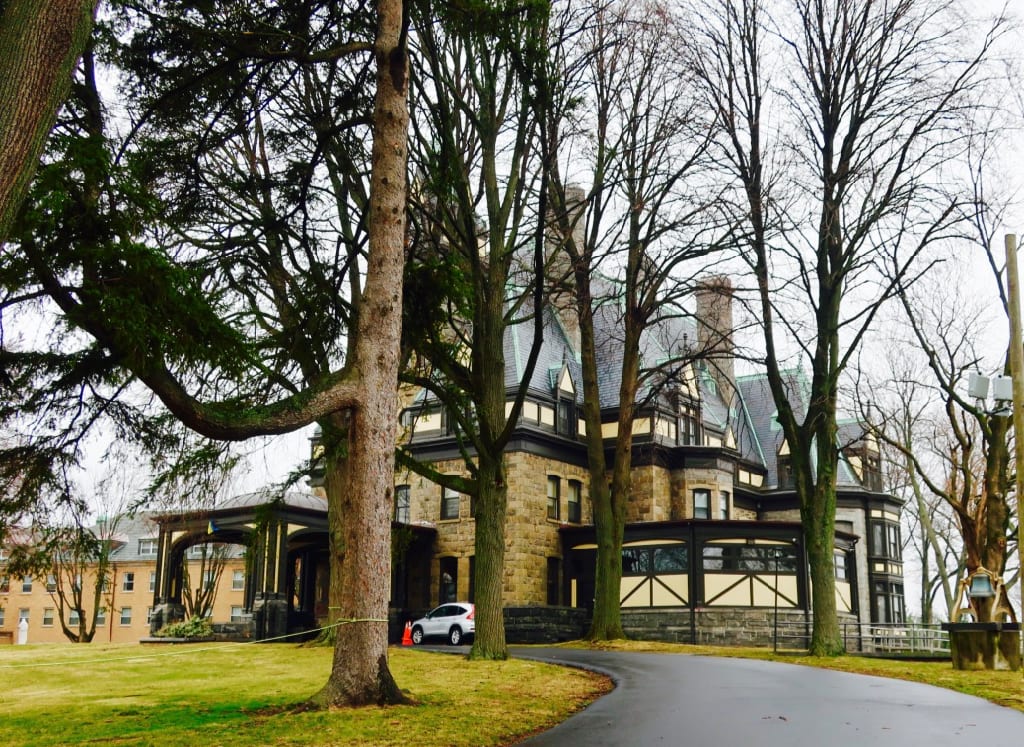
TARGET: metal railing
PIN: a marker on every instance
(905, 639)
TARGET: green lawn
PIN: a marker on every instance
(217, 694)
(223, 694)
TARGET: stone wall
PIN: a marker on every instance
(723, 627)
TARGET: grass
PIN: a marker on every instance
(242, 695)
(1004, 688)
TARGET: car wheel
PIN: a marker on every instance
(417, 635)
(455, 635)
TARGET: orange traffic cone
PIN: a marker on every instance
(407, 635)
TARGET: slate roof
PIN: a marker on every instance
(750, 415)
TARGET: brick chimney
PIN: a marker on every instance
(714, 332)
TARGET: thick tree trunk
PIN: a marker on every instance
(818, 515)
(360, 673)
(491, 508)
(40, 43)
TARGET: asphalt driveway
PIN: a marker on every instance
(665, 699)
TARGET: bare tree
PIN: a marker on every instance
(632, 130)
(477, 254)
(835, 120)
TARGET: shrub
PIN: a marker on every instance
(194, 627)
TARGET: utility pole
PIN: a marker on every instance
(1017, 375)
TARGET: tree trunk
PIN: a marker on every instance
(363, 507)
(491, 508)
(818, 516)
(40, 43)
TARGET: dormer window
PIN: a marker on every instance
(565, 404)
(566, 411)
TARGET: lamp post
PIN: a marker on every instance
(1017, 374)
(776, 553)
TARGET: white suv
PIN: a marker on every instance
(453, 621)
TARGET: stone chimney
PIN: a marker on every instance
(714, 332)
(563, 298)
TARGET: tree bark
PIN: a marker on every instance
(491, 507)
(40, 43)
(361, 510)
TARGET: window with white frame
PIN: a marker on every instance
(449, 503)
(26, 584)
(126, 615)
(3, 617)
(149, 615)
(152, 580)
(147, 546)
(73, 618)
(51, 582)
(723, 504)
(237, 613)
(701, 503)
(209, 576)
(238, 579)
(23, 615)
(48, 617)
(128, 582)
(101, 616)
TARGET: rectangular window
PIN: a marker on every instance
(554, 497)
(885, 540)
(3, 617)
(51, 582)
(733, 558)
(888, 602)
(26, 584)
(895, 546)
(128, 582)
(575, 490)
(449, 503)
(402, 504)
(237, 579)
(236, 614)
(73, 618)
(723, 504)
(23, 615)
(701, 503)
(149, 615)
(101, 616)
(839, 560)
(76, 583)
(5, 584)
(48, 617)
(566, 413)
(126, 615)
(554, 568)
(152, 580)
(209, 576)
(147, 546)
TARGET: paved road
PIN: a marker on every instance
(665, 699)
